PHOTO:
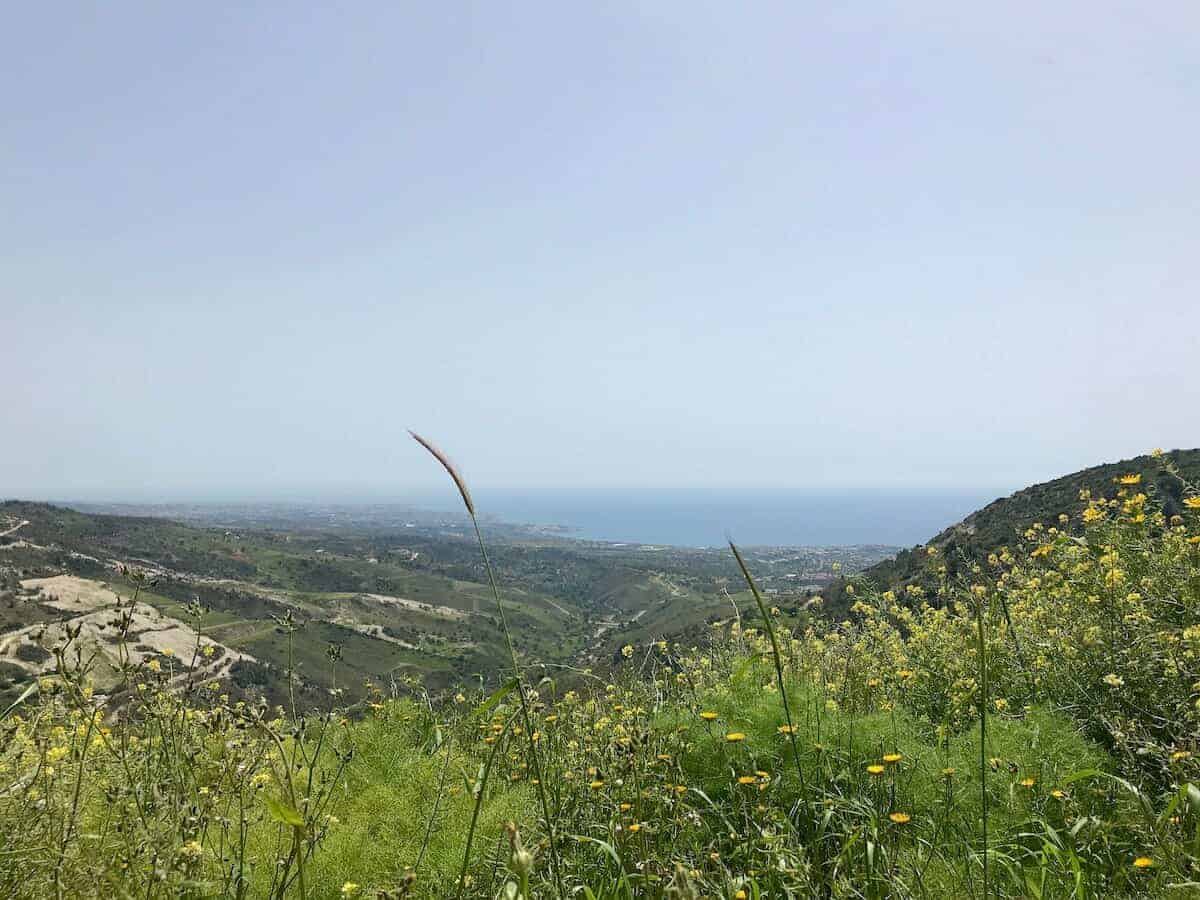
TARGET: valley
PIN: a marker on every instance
(253, 593)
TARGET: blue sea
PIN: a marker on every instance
(694, 518)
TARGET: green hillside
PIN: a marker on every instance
(399, 603)
(391, 617)
(1001, 523)
(1029, 731)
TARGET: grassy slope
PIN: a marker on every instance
(686, 744)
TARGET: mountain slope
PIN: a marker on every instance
(1002, 521)
(390, 616)
(398, 601)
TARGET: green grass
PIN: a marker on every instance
(671, 774)
(383, 806)
(627, 754)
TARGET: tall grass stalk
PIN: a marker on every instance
(527, 720)
(766, 616)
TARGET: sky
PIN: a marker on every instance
(889, 245)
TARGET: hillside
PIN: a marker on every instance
(1003, 521)
(1032, 733)
(405, 603)
(389, 617)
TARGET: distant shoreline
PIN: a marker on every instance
(682, 519)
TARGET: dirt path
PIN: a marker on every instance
(14, 528)
(565, 612)
(671, 587)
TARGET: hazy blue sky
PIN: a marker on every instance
(894, 244)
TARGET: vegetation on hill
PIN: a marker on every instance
(1002, 522)
(400, 601)
(1028, 726)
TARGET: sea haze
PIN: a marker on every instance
(679, 517)
(694, 518)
